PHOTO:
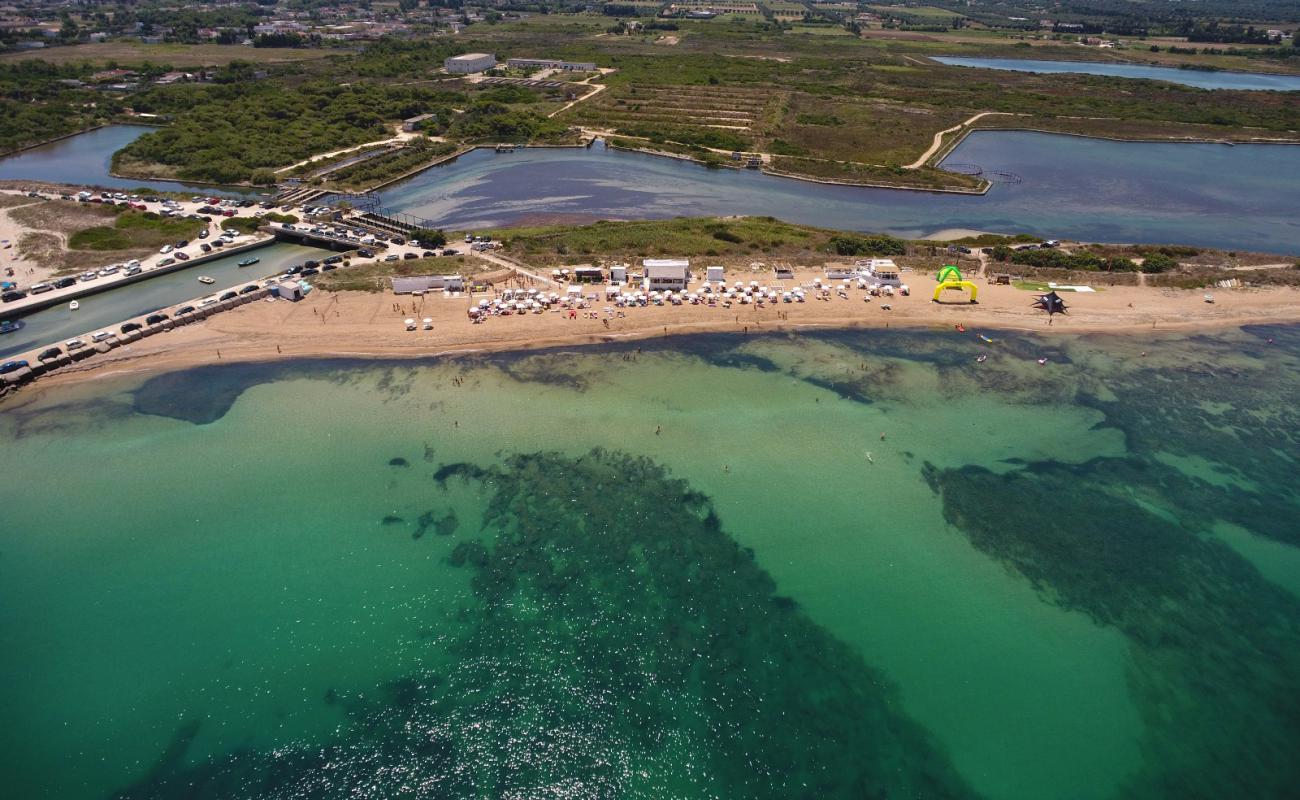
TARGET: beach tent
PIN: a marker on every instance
(1051, 303)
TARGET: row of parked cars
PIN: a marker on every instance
(76, 344)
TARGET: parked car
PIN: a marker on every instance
(63, 283)
(130, 326)
(184, 310)
(229, 296)
(40, 288)
(252, 287)
(334, 260)
(74, 344)
(99, 336)
(309, 271)
(136, 270)
(46, 355)
(181, 256)
(154, 319)
(12, 295)
(218, 242)
(203, 234)
(364, 253)
(165, 249)
(450, 251)
(205, 247)
(327, 267)
(392, 257)
(166, 262)
(410, 256)
(89, 275)
(12, 366)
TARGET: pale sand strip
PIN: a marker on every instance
(364, 325)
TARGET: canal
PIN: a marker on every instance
(104, 310)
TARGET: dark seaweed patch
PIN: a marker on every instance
(391, 520)
(447, 525)
(615, 643)
(398, 462)
(461, 469)
(1215, 647)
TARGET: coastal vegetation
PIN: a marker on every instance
(387, 166)
(707, 236)
(374, 276)
(237, 132)
(131, 230)
(844, 108)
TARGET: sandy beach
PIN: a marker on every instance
(370, 325)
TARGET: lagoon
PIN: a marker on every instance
(85, 160)
(718, 579)
(1201, 79)
(1073, 187)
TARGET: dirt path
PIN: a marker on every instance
(599, 87)
(938, 137)
(402, 136)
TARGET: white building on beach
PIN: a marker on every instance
(666, 274)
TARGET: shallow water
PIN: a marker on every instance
(839, 564)
(1201, 79)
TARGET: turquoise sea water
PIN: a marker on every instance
(843, 564)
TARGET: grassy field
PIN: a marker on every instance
(712, 237)
(133, 230)
(921, 12)
(70, 237)
(177, 55)
(373, 276)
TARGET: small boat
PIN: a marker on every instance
(74, 305)
(248, 262)
(981, 359)
(960, 328)
(1042, 361)
(985, 339)
(11, 326)
(205, 279)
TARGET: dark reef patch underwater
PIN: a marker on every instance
(619, 644)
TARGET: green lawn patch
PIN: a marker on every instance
(132, 229)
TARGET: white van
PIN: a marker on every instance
(99, 336)
(73, 344)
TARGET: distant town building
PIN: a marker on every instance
(550, 63)
(470, 63)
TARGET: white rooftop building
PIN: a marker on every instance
(470, 63)
(666, 274)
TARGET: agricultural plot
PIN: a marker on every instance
(707, 115)
(866, 131)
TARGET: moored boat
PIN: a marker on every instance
(248, 262)
(205, 279)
